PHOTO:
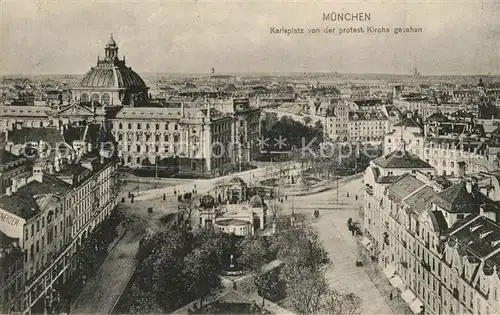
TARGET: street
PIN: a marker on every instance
(102, 291)
(343, 275)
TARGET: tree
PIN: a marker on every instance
(188, 206)
(335, 302)
(300, 248)
(307, 120)
(200, 272)
(275, 209)
(306, 290)
(254, 256)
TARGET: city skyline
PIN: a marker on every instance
(191, 38)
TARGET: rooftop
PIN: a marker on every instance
(408, 123)
(456, 199)
(404, 186)
(401, 159)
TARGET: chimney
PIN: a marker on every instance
(38, 173)
(8, 191)
(461, 169)
(468, 186)
(14, 185)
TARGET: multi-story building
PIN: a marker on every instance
(11, 166)
(198, 139)
(53, 208)
(439, 241)
(245, 128)
(334, 115)
(382, 172)
(17, 117)
(408, 131)
(11, 274)
(368, 126)
(53, 219)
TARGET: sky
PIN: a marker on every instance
(65, 37)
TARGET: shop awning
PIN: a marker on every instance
(416, 306)
(389, 271)
(408, 296)
(397, 282)
(365, 241)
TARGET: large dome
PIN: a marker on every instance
(112, 77)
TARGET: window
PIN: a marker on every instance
(138, 126)
(32, 230)
(157, 126)
(129, 126)
(106, 99)
(147, 126)
(176, 127)
(120, 126)
(37, 226)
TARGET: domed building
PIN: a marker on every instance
(111, 82)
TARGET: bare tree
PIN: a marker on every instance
(187, 206)
(275, 209)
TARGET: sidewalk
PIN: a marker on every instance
(397, 305)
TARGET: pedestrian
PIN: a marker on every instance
(347, 195)
(164, 196)
(356, 197)
(390, 296)
(175, 192)
(286, 197)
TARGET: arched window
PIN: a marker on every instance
(106, 99)
(120, 126)
(129, 126)
(84, 98)
(176, 127)
(95, 98)
(138, 126)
